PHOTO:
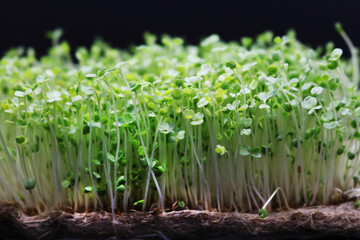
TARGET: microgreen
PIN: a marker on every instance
(217, 125)
(262, 211)
(220, 149)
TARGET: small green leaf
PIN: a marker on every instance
(336, 54)
(256, 152)
(96, 162)
(340, 150)
(202, 102)
(29, 184)
(272, 69)
(90, 75)
(121, 180)
(40, 78)
(339, 28)
(287, 107)
(19, 94)
(197, 122)
(317, 90)
(97, 176)
(357, 204)
(357, 135)
(263, 213)
(246, 41)
(65, 129)
(154, 162)
(134, 175)
(180, 135)
(276, 56)
(264, 106)
(314, 109)
(228, 133)
(230, 64)
(263, 96)
(327, 116)
(110, 157)
(162, 167)
(244, 150)
(181, 204)
(332, 65)
(353, 124)
(309, 102)
(141, 150)
(176, 94)
(164, 127)
(351, 155)
(120, 188)
(246, 122)
(69, 175)
(189, 113)
(245, 131)
(220, 149)
(330, 125)
(129, 118)
(65, 183)
(53, 96)
(140, 202)
(94, 124)
(345, 111)
(198, 116)
(88, 189)
(101, 72)
(197, 119)
(20, 139)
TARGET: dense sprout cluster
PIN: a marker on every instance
(218, 125)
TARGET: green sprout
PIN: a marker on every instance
(220, 149)
(181, 204)
(217, 125)
(88, 189)
(262, 211)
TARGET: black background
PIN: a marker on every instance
(122, 23)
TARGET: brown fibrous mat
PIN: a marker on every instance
(341, 220)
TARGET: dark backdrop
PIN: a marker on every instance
(122, 23)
